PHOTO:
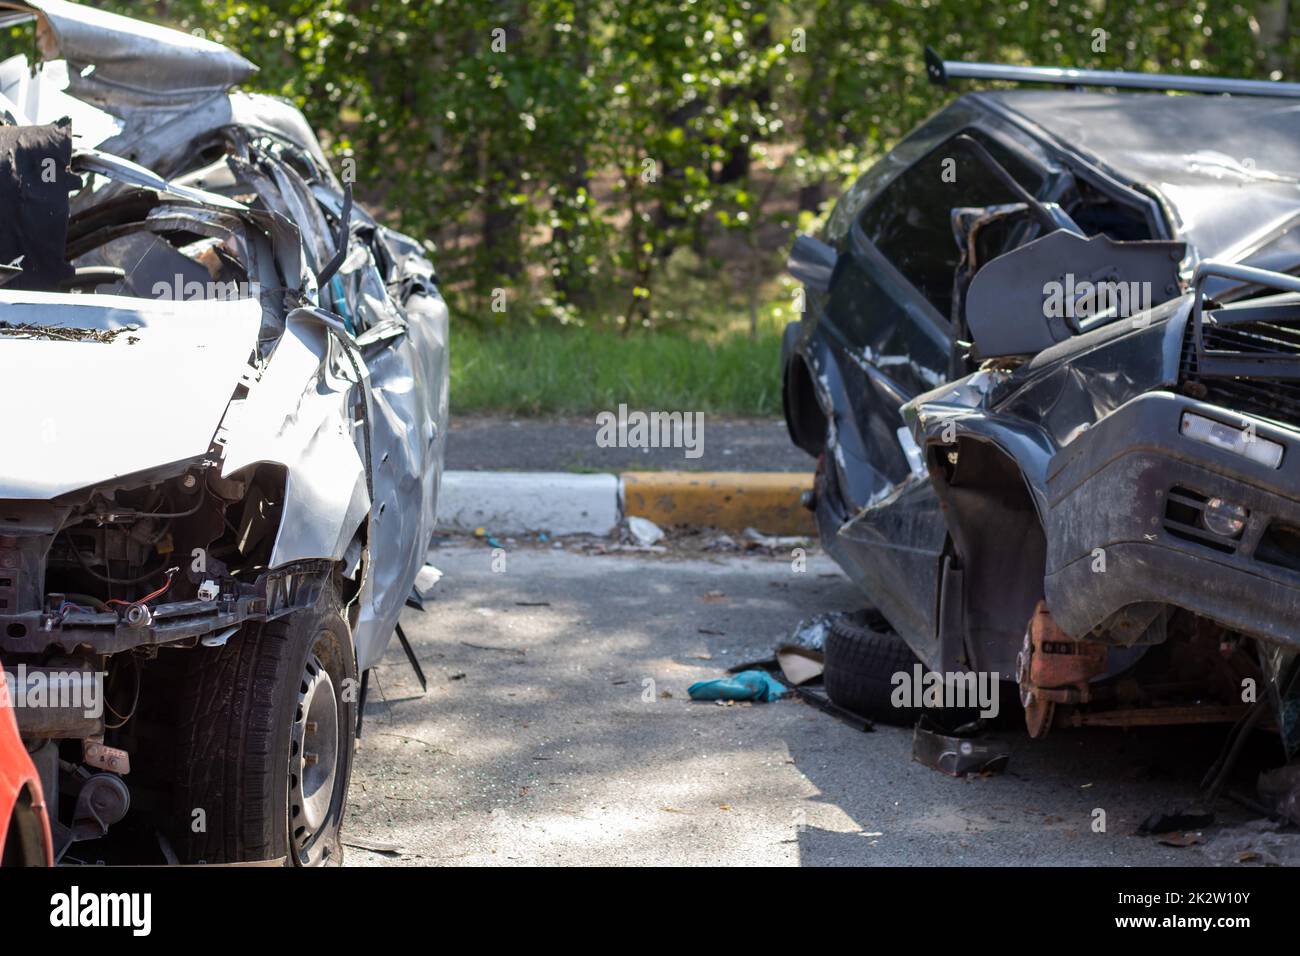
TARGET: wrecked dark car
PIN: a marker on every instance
(1049, 367)
(225, 396)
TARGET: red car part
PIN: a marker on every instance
(24, 824)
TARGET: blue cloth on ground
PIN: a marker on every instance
(747, 685)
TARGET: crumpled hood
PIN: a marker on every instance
(113, 385)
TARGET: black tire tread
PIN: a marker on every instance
(861, 657)
(232, 723)
(227, 709)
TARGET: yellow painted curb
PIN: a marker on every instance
(730, 500)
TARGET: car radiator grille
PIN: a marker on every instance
(1276, 400)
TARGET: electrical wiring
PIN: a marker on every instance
(135, 700)
(108, 579)
(87, 599)
(171, 572)
(203, 494)
(104, 577)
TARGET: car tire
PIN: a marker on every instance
(862, 655)
(266, 736)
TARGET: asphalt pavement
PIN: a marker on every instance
(484, 443)
(557, 730)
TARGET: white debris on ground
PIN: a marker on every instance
(1259, 842)
(643, 531)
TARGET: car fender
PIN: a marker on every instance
(297, 414)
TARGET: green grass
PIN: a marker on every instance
(580, 370)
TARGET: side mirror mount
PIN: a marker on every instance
(812, 262)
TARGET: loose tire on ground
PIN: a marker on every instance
(265, 737)
(861, 657)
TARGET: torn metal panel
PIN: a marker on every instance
(115, 60)
(297, 414)
(954, 755)
(258, 112)
(961, 410)
(1004, 302)
(122, 171)
(1187, 148)
(409, 404)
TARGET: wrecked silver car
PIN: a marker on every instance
(224, 393)
(1050, 371)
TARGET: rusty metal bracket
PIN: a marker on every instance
(1053, 668)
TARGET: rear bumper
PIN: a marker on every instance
(1114, 539)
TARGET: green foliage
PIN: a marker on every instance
(556, 371)
(564, 150)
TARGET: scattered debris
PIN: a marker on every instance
(811, 632)
(490, 540)
(374, 846)
(1279, 790)
(747, 685)
(643, 531)
(956, 755)
(633, 548)
(799, 665)
(1259, 842)
(505, 650)
(1182, 839)
(422, 590)
(756, 539)
(426, 578)
(1174, 820)
(67, 333)
(815, 694)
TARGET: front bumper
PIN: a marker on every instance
(107, 633)
(1116, 537)
(275, 594)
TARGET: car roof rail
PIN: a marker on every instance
(940, 71)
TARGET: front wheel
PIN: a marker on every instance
(266, 736)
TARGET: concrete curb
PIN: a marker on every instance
(524, 502)
(731, 500)
(506, 502)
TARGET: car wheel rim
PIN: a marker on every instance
(314, 755)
